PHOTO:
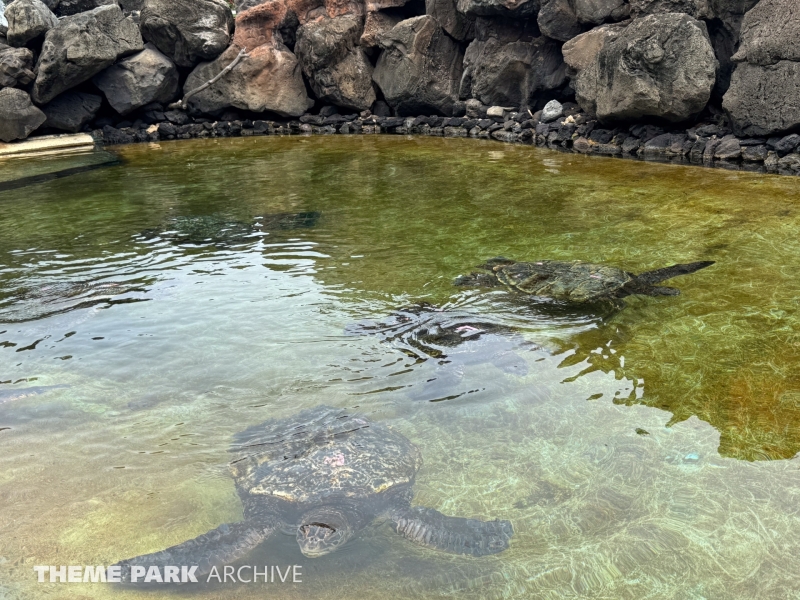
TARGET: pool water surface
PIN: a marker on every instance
(201, 287)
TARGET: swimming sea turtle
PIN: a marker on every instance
(11, 394)
(47, 299)
(575, 281)
(326, 474)
(220, 230)
(455, 340)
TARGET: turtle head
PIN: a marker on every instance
(322, 531)
(494, 263)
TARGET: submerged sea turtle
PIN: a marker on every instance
(9, 395)
(48, 299)
(326, 474)
(216, 229)
(575, 281)
(455, 339)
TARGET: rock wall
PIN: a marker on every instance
(75, 65)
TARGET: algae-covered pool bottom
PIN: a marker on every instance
(202, 287)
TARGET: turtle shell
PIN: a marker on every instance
(571, 281)
(322, 453)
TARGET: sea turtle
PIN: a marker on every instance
(53, 298)
(575, 282)
(455, 340)
(325, 474)
(9, 395)
(221, 230)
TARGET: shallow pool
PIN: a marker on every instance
(201, 287)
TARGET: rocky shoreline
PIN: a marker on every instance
(712, 82)
(566, 128)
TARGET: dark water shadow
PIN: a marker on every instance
(22, 182)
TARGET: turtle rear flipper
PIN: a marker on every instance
(223, 545)
(661, 290)
(659, 275)
(429, 527)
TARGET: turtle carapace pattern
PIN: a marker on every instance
(326, 474)
(575, 282)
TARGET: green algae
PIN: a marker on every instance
(133, 458)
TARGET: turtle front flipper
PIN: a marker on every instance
(223, 545)
(429, 527)
(487, 280)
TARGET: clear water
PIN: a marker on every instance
(647, 453)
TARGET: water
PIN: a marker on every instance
(644, 453)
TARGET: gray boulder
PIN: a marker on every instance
(456, 24)
(18, 116)
(28, 20)
(420, 68)
(269, 79)
(146, 77)
(557, 20)
(51, 4)
(728, 148)
(699, 9)
(81, 46)
(16, 67)
(764, 100)
(598, 11)
(552, 111)
(3, 20)
(337, 69)
(658, 66)
(581, 54)
(498, 111)
(71, 111)
(724, 31)
(73, 7)
(187, 31)
(763, 95)
(505, 8)
(770, 33)
(375, 25)
(723, 19)
(507, 65)
(370, 5)
(564, 19)
(129, 6)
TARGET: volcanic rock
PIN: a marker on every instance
(338, 70)
(16, 67)
(81, 46)
(658, 66)
(71, 111)
(187, 31)
(455, 23)
(28, 20)
(269, 79)
(420, 68)
(73, 7)
(146, 77)
(18, 116)
(376, 24)
(764, 95)
(507, 65)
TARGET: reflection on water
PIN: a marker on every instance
(21, 172)
(634, 452)
(455, 341)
